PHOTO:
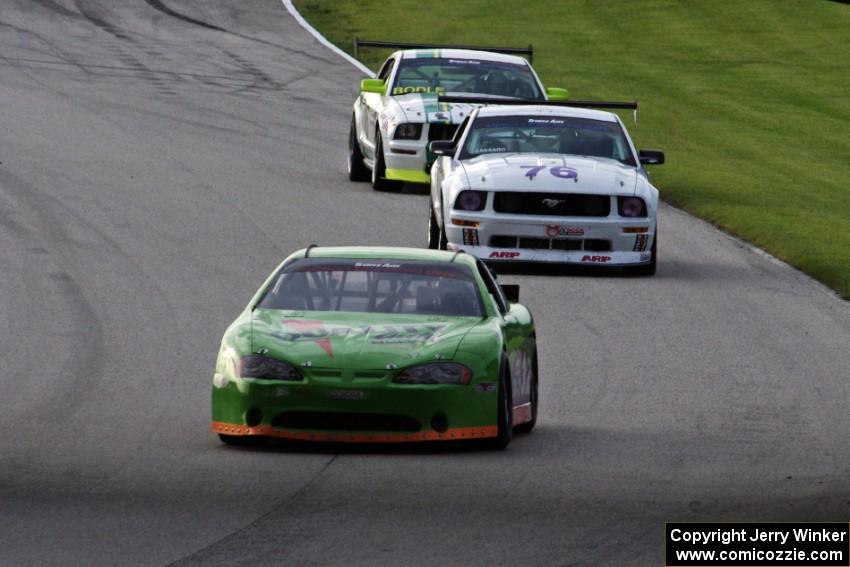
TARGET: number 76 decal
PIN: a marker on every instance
(561, 171)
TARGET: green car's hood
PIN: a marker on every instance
(366, 341)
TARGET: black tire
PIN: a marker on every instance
(379, 169)
(442, 240)
(647, 269)
(433, 228)
(505, 416)
(357, 170)
(529, 425)
(241, 440)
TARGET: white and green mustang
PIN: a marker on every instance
(397, 113)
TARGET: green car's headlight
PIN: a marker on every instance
(265, 368)
(440, 373)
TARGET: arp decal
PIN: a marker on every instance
(504, 255)
(561, 171)
(596, 259)
(553, 230)
(423, 89)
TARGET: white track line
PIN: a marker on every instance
(323, 40)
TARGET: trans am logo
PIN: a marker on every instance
(321, 333)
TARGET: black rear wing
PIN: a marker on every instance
(358, 43)
(483, 100)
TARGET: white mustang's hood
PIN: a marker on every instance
(550, 172)
(423, 107)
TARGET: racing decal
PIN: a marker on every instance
(306, 330)
(640, 243)
(597, 259)
(404, 333)
(422, 89)
(440, 117)
(561, 171)
(504, 255)
(321, 333)
(554, 230)
(546, 122)
(384, 265)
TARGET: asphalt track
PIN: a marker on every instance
(160, 157)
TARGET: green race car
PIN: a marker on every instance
(361, 344)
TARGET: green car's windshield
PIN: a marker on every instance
(375, 286)
(459, 76)
(547, 134)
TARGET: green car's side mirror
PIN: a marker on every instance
(373, 86)
(555, 94)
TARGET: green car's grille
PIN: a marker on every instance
(346, 421)
(358, 374)
(327, 373)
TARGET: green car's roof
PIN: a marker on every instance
(387, 252)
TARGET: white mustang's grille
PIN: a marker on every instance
(553, 204)
(587, 244)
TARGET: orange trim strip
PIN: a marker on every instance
(522, 414)
(267, 430)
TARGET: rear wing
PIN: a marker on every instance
(528, 52)
(483, 100)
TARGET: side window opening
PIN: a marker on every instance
(459, 131)
(493, 287)
(385, 71)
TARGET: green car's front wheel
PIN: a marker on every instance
(505, 418)
(529, 425)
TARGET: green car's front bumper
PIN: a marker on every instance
(347, 409)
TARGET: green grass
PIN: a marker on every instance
(750, 100)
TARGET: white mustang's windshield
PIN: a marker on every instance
(473, 76)
(547, 134)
